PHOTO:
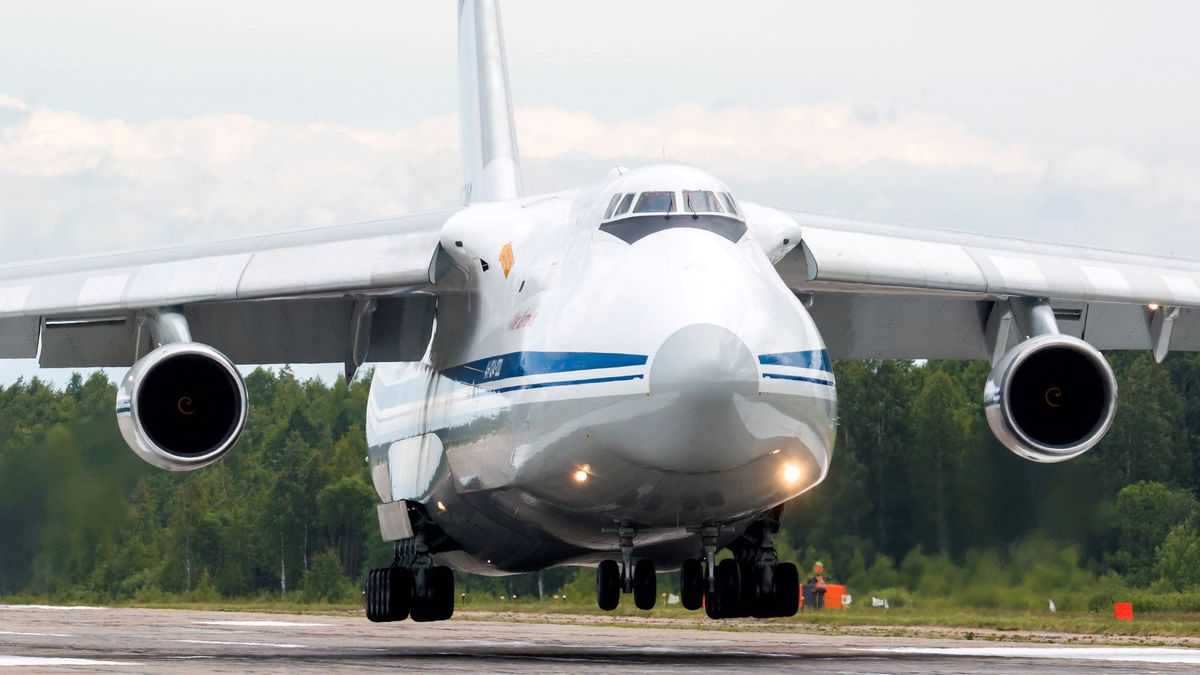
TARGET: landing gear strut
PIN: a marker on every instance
(412, 587)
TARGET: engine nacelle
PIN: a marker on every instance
(1051, 398)
(182, 406)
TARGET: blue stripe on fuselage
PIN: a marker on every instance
(798, 378)
(816, 359)
(543, 385)
(522, 364)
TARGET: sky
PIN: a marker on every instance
(126, 124)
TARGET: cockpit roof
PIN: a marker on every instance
(666, 177)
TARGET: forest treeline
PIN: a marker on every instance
(921, 501)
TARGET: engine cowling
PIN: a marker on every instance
(1051, 398)
(182, 406)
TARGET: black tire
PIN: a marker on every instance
(763, 605)
(723, 603)
(443, 593)
(398, 598)
(387, 594)
(608, 585)
(369, 594)
(744, 600)
(433, 594)
(787, 590)
(422, 608)
(645, 584)
(692, 584)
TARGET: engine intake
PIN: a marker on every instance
(182, 406)
(1051, 398)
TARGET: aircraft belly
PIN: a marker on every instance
(605, 439)
(505, 475)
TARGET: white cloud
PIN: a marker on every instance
(10, 103)
(70, 183)
(834, 137)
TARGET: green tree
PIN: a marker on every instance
(1178, 559)
(1143, 516)
(942, 433)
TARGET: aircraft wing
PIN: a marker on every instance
(881, 291)
(293, 297)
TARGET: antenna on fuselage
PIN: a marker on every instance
(491, 164)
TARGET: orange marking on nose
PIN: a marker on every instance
(506, 259)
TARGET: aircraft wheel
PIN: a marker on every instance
(723, 602)
(371, 596)
(645, 584)
(691, 584)
(433, 596)
(387, 594)
(399, 593)
(763, 602)
(443, 596)
(608, 585)
(787, 589)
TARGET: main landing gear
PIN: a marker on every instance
(412, 587)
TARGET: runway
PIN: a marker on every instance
(73, 640)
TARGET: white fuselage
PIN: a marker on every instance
(663, 380)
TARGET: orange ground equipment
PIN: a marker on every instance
(834, 596)
(1123, 611)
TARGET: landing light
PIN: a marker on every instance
(791, 473)
(441, 507)
(582, 474)
(1153, 307)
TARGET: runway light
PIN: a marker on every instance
(582, 474)
(791, 473)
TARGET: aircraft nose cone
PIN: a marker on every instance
(700, 374)
(704, 361)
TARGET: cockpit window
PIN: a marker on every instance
(635, 228)
(701, 201)
(728, 199)
(612, 204)
(655, 202)
(623, 207)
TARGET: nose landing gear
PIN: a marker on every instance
(640, 578)
(752, 583)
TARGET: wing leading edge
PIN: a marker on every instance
(292, 297)
(888, 292)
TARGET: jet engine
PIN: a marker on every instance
(182, 406)
(1051, 398)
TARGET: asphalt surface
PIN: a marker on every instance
(73, 640)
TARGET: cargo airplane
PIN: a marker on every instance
(630, 376)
